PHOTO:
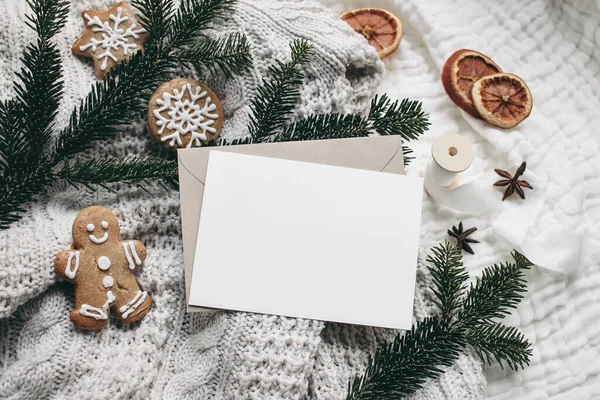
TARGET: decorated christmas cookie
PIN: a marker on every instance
(110, 37)
(184, 113)
(101, 268)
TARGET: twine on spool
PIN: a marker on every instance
(451, 154)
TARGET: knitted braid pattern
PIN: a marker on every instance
(170, 354)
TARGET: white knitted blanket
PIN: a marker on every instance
(171, 354)
(555, 47)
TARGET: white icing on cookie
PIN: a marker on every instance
(185, 117)
(105, 224)
(98, 313)
(126, 306)
(90, 228)
(113, 37)
(129, 248)
(130, 307)
(108, 282)
(104, 263)
(135, 254)
(101, 240)
(70, 273)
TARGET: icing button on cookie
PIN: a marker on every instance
(108, 282)
(184, 113)
(104, 263)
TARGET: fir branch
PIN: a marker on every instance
(405, 118)
(325, 126)
(112, 103)
(400, 368)
(39, 86)
(193, 17)
(449, 278)
(500, 343)
(385, 117)
(228, 54)
(49, 17)
(276, 98)
(110, 170)
(156, 17)
(14, 146)
(21, 187)
(499, 289)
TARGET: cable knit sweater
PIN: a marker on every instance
(171, 354)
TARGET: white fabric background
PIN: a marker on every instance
(555, 47)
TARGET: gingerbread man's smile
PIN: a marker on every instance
(93, 238)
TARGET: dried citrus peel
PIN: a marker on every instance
(503, 100)
(461, 71)
(382, 29)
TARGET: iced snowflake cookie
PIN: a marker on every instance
(101, 268)
(110, 37)
(184, 113)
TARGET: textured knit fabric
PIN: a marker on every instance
(171, 354)
(555, 47)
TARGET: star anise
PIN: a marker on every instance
(512, 183)
(462, 238)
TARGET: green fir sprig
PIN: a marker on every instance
(399, 367)
(111, 170)
(31, 161)
(405, 118)
(226, 54)
(277, 97)
(468, 318)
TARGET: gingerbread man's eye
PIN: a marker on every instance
(105, 224)
(90, 227)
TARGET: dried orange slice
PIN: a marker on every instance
(503, 100)
(381, 28)
(461, 71)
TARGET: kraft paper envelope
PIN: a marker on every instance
(381, 153)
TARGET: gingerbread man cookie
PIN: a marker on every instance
(110, 37)
(184, 113)
(101, 267)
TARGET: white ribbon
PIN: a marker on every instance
(555, 248)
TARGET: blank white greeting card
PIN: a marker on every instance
(307, 240)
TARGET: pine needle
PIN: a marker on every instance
(406, 154)
(109, 170)
(325, 126)
(401, 368)
(449, 278)
(405, 118)
(14, 146)
(112, 103)
(39, 86)
(227, 54)
(156, 17)
(193, 17)
(500, 343)
(498, 290)
(276, 98)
